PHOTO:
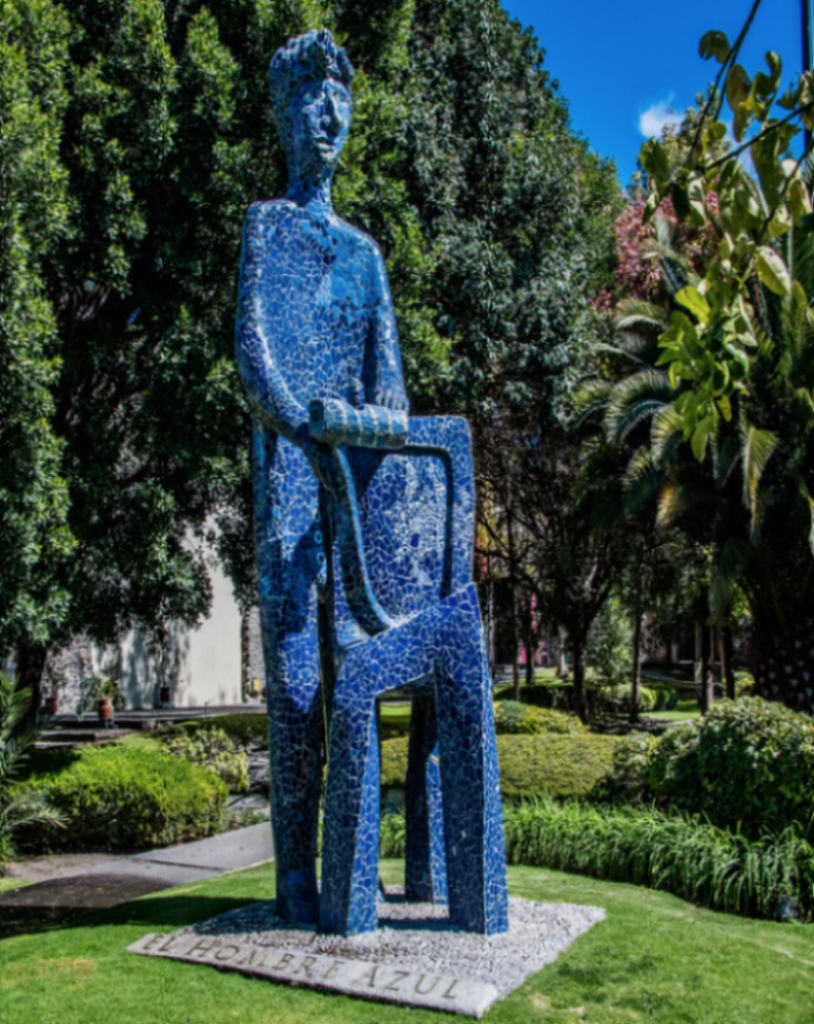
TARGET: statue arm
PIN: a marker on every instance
(383, 378)
(270, 399)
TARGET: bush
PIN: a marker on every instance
(620, 697)
(513, 717)
(666, 695)
(748, 764)
(122, 797)
(244, 730)
(557, 765)
(213, 749)
(543, 695)
(682, 855)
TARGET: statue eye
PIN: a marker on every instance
(312, 93)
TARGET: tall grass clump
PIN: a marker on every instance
(699, 862)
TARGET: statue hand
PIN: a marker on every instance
(320, 458)
(390, 398)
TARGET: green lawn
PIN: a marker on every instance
(655, 959)
(10, 883)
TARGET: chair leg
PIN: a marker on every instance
(473, 814)
(425, 868)
(350, 838)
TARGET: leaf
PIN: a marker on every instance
(700, 438)
(743, 115)
(775, 66)
(714, 44)
(655, 162)
(738, 85)
(681, 201)
(780, 222)
(756, 448)
(693, 301)
(772, 271)
(798, 200)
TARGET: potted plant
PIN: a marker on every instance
(105, 694)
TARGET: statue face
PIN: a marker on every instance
(320, 117)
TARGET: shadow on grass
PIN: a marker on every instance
(153, 912)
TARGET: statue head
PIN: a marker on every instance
(309, 82)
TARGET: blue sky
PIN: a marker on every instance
(622, 65)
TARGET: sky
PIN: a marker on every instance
(624, 66)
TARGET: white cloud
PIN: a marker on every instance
(653, 120)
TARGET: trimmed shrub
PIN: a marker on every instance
(243, 730)
(393, 835)
(513, 717)
(542, 695)
(122, 797)
(747, 765)
(565, 766)
(620, 697)
(213, 749)
(709, 866)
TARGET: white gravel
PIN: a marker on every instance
(418, 936)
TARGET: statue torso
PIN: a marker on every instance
(317, 297)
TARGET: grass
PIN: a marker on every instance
(565, 766)
(684, 711)
(10, 883)
(656, 959)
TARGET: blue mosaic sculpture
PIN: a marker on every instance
(364, 525)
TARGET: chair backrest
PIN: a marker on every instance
(407, 522)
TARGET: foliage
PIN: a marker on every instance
(620, 696)
(212, 748)
(610, 642)
(243, 730)
(564, 766)
(21, 809)
(514, 717)
(747, 765)
(141, 133)
(393, 835)
(123, 797)
(545, 695)
(709, 866)
(93, 689)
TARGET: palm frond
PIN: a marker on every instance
(635, 399)
(32, 808)
(677, 497)
(592, 398)
(666, 433)
(756, 449)
(727, 571)
(642, 480)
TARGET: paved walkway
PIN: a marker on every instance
(95, 880)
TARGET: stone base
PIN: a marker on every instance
(415, 957)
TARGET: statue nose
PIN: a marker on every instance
(331, 116)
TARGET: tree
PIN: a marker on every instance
(159, 135)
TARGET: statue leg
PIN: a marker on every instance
(473, 813)
(288, 528)
(425, 867)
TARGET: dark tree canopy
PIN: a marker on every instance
(154, 135)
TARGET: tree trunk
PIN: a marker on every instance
(30, 665)
(783, 663)
(727, 652)
(245, 656)
(578, 669)
(530, 661)
(705, 683)
(562, 668)
(636, 675)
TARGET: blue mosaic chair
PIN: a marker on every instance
(403, 546)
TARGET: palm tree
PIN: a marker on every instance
(29, 807)
(750, 497)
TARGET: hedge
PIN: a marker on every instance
(747, 765)
(564, 766)
(120, 797)
(513, 717)
(244, 730)
(709, 866)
